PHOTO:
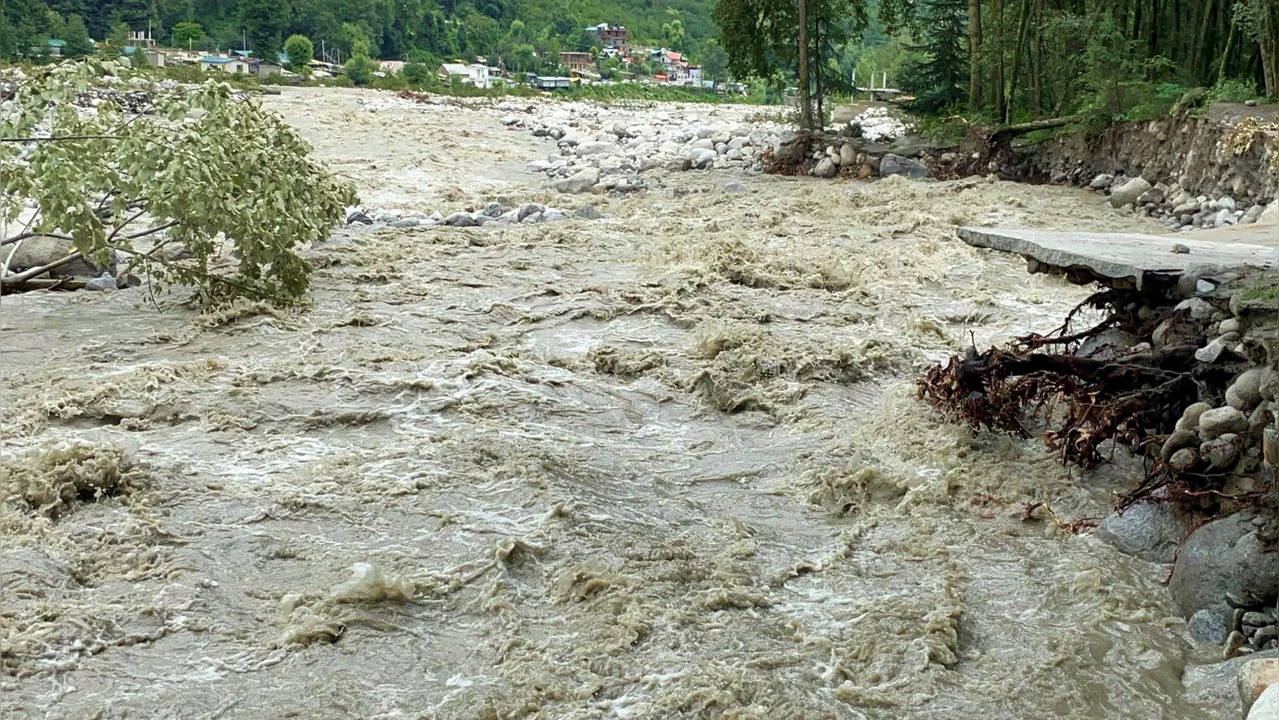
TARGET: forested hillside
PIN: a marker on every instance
(390, 28)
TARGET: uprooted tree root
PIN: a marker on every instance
(1088, 402)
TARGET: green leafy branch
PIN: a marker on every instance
(202, 167)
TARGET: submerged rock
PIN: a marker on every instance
(105, 281)
(1150, 530)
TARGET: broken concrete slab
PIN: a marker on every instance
(1122, 259)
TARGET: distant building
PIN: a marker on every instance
(674, 65)
(224, 63)
(476, 74)
(155, 58)
(265, 68)
(53, 47)
(545, 82)
(610, 36)
(578, 61)
(141, 38)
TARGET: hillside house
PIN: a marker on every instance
(141, 38)
(225, 63)
(674, 63)
(578, 61)
(265, 68)
(475, 74)
(52, 48)
(155, 58)
(610, 36)
(546, 82)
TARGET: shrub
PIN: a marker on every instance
(1231, 90)
(359, 69)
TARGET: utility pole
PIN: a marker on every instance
(805, 99)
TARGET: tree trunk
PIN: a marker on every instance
(1201, 43)
(1037, 63)
(974, 54)
(805, 98)
(820, 118)
(1268, 39)
(998, 77)
(1225, 54)
(1022, 29)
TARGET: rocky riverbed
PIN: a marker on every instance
(663, 462)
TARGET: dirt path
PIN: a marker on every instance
(663, 464)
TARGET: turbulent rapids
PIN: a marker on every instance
(668, 462)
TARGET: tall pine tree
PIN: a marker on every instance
(941, 78)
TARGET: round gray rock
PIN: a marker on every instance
(1149, 530)
(1224, 559)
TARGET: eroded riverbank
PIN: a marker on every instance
(662, 464)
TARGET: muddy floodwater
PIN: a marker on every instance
(663, 464)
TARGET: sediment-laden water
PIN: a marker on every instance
(663, 464)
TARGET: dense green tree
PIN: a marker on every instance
(76, 34)
(55, 26)
(264, 23)
(354, 39)
(673, 33)
(714, 61)
(188, 34)
(299, 51)
(522, 58)
(119, 35)
(418, 74)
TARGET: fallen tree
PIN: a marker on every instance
(1126, 381)
(197, 167)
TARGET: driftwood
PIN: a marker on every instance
(1085, 403)
(1008, 132)
(43, 284)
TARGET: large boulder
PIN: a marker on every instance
(461, 219)
(790, 148)
(847, 155)
(892, 164)
(1255, 677)
(1267, 705)
(596, 147)
(1270, 215)
(702, 159)
(1219, 421)
(1225, 563)
(581, 181)
(1101, 181)
(1128, 193)
(826, 168)
(42, 250)
(1149, 530)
